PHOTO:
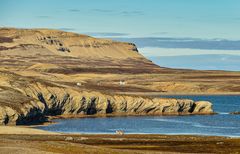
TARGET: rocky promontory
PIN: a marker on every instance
(37, 101)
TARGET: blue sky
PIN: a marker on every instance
(201, 27)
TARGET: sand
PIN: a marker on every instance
(23, 130)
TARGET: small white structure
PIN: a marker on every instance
(119, 132)
(122, 82)
(79, 84)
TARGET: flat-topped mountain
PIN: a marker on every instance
(53, 42)
(53, 50)
(49, 72)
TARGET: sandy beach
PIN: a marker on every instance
(23, 130)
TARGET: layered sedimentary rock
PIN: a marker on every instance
(41, 101)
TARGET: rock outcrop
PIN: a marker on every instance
(236, 112)
(47, 101)
(202, 107)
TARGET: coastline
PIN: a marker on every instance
(34, 140)
(51, 118)
(32, 130)
(71, 116)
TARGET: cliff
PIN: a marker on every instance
(37, 101)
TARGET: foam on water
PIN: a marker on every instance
(170, 120)
(213, 127)
(223, 113)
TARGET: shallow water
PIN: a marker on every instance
(222, 124)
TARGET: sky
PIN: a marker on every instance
(171, 28)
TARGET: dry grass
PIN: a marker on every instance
(29, 52)
(125, 143)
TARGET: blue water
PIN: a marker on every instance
(222, 124)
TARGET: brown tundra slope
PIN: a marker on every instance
(51, 72)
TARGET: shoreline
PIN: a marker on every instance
(51, 118)
(71, 116)
(32, 130)
(99, 115)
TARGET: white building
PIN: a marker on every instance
(122, 82)
(79, 84)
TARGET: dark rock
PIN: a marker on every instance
(237, 112)
(62, 49)
(6, 39)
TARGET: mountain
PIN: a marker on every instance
(70, 59)
(67, 52)
(49, 72)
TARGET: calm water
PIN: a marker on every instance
(222, 124)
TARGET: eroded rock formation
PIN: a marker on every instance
(41, 101)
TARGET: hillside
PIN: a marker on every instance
(68, 58)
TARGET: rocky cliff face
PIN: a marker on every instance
(47, 101)
(60, 43)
